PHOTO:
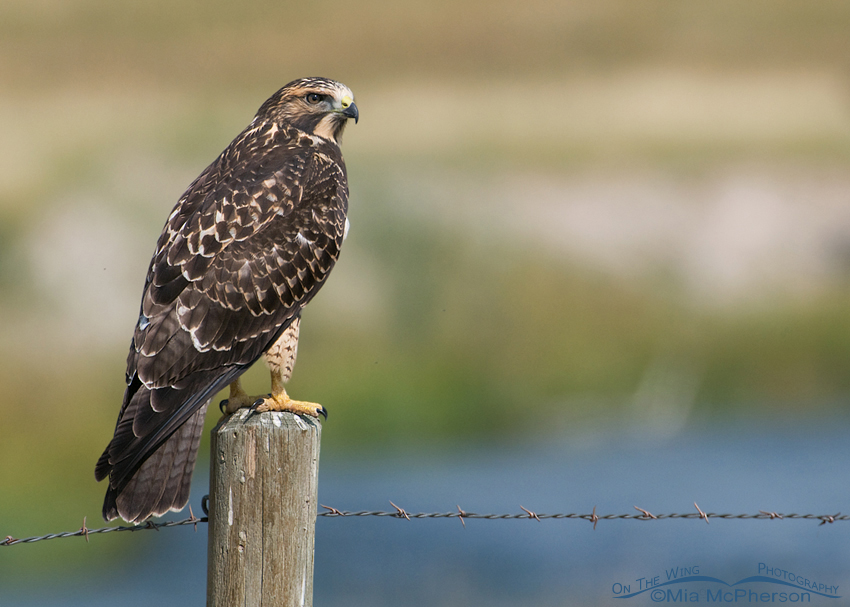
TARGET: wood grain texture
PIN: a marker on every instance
(263, 491)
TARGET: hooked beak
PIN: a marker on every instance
(349, 110)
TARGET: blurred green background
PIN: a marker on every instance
(593, 214)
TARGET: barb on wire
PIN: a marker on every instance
(644, 515)
(701, 513)
(648, 515)
(829, 519)
(461, 514)
(191, 518)
(531, 514)
(400, 512)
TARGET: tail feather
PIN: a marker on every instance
(163, 481)
(150, 470)
(175, 494)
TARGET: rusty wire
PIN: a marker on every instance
(399, 512)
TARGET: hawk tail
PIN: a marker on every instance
(163, 481)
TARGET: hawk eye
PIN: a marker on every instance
(314, 98)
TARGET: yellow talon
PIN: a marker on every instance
(278, 400)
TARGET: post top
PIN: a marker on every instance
(243, 418)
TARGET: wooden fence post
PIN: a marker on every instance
(262, 513)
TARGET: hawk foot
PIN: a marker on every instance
(238, 401)
(282, 402)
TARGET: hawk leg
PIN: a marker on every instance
(280, 359)
(238, 399)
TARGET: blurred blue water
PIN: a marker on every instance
(737, 468)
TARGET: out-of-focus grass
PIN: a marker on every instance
(193, 44)
(482, 334)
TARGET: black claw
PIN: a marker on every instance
(324, 412)
(223, 404)
(253, 408)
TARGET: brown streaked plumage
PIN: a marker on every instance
(247, 246)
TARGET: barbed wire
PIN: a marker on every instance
(86, 532)
(641, 515)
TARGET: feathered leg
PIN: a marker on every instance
(280, 359)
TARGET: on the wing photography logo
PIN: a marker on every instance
(690, 585)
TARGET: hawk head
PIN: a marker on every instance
(317, 106)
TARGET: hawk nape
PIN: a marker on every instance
(248, 245)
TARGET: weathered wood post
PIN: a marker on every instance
(262, 513)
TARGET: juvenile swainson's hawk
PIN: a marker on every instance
(249, 243)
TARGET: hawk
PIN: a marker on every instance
(247, 246)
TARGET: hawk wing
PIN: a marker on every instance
(247, 246)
